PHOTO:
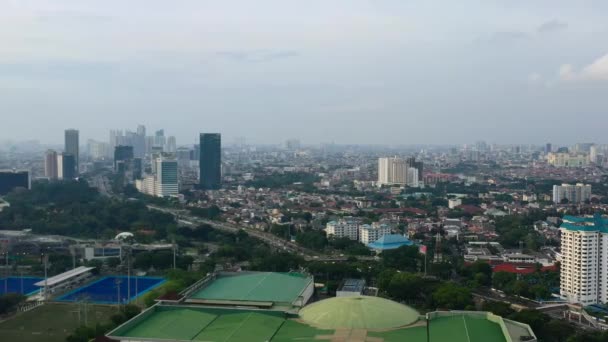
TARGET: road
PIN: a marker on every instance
(268, 238)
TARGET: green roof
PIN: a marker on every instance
(358, 312)
(255, 286)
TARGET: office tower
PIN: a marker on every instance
(418, 165)
(548, 148)
(122, 156)
(292, 144)
(13, 179)
(50, 165)
(210, 161)
(196, 152)
(593, 154)
(412, 177)
(392, 171)
(166, 177)
(72, 147)
(66, 166)
(575, 194)
(141, 130)
(171, 145)
(98, 150)
(159, 139)
(584, 265)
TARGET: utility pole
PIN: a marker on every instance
(174, 258)
(128, 274)
(7, 274)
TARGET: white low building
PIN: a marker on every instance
(64, 281)
(370, 233)
(347, 227)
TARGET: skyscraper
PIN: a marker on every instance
(392, 171)
(71, 147)
(50, 165)
(122, 155)
(66, 166)
(210, 161)
(584, 265)
(166, 177)
(171, 145)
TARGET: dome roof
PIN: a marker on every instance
(358, 312)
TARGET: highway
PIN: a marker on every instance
(268, 238)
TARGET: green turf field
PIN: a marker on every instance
(262, 287)
(50, 322)
(453, 329)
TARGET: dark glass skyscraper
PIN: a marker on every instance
(72, 147)
(210, 161)
(12, 179)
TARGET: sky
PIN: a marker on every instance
(343, 71)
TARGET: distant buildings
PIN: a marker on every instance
(573, 193)
(396, 171)
(371, 233)
(66, 166)
(392, 171)
(210, 161)
(122, 155)
(166, 177)
(12, 179)
(50, 165)
(72, 147)
(346, 227)
(584, 265)
(562, 159)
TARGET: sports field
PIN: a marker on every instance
(107, 289)
(51, 322)
(22, 285)
(259, 286)
(204, 324)
(461, 328)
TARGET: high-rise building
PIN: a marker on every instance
(72, 147)
(66, 166)
(159, 139)
(548, 148)
(210, 161)
(166, 177)
(392, 171)
(12, 179)
(573, 193)
(171, 145)
(418, 165)
(50, 165)
(584, 265)
(593, 154)
(122, 156)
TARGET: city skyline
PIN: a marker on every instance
(381, 69)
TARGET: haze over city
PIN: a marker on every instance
(363, 72)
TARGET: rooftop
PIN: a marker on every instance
(255, 287)
(64, 276)
(390, 241)
(358, 312)
(585, 223)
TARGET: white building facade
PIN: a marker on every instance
(347, 227)
(573, 193)
(371, 233)
(584, 265)
(392, 171)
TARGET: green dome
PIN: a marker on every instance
(359, 312)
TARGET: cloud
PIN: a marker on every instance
(257, 55)
(552, 26)
(596, 71)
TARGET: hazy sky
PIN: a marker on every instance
(348, 71)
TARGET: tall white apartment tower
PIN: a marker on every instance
(584, 266)
(392, 171)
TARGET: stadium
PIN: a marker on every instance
(265, 306)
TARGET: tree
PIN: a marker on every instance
(498, 308)
(502, 280)
(405, 286)
(453, 297)
(113, 262)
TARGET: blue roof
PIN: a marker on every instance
(587, 224)
(390, 241)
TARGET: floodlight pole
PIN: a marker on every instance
(7, 274)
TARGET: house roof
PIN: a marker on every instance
(390, 241)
